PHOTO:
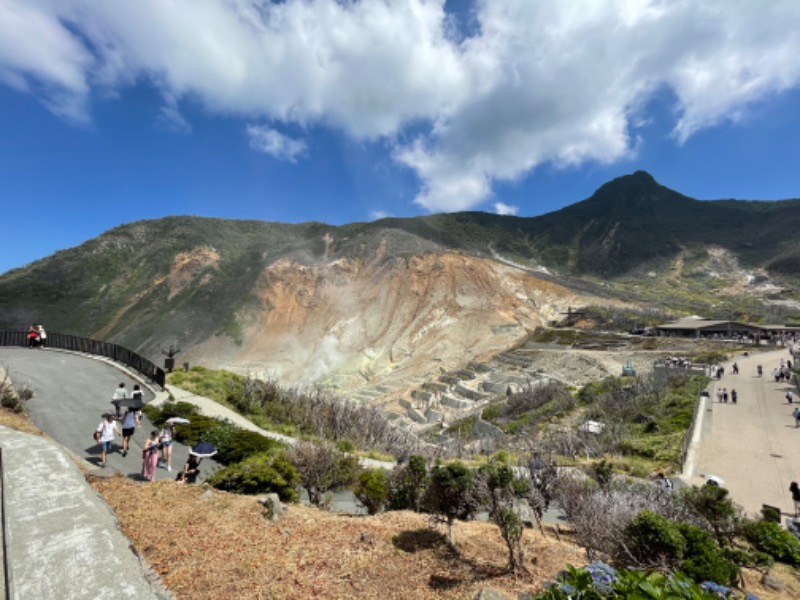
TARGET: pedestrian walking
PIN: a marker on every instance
(128, 428)
(104, 434)
(719, 395)
(796, 415)
(150, 456)
(733, 396)
(795, 489)
(166, 438)
(137, 394)
(119, 394)
(735, 369)
(760, 370)
(725, 395)
(789, 397)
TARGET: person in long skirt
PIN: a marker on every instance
(150, 457)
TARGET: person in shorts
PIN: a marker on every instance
(104, 434)
(166, 437)
(128, 429)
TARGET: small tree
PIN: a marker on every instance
(372, 490)
(323, 468)
(715, 509)
(449, 495)
(498, 489)
(408, 483)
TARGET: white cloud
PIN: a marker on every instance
(274, 143)
(505, 209)
(377, 215)
(537, 82)
(170, 119)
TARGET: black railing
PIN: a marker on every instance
(89, 346)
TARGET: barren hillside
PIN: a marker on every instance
(350, 323)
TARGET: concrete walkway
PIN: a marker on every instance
(752, 445)
(63, 539)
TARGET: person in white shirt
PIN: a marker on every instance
(42, 337)
(104, 434)
(119, 394)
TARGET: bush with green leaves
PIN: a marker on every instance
(242, 444)
(598, 581)
(159, 414)
(714, 508)
(408, 482)
(449, 495)
(772, 539)
(258, 474)
(704, 559)
(654, 540)
(372, 490)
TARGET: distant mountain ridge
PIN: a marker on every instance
(312, 301)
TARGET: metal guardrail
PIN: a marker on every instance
(6, 567)
(89, 346)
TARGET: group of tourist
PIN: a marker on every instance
(37, 336)
(723, 396)
(157, 450)
(677, 362)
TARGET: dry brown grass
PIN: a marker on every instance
(210, 544)
(18, 421)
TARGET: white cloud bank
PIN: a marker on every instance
(550, 81)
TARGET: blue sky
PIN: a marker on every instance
(111, 112)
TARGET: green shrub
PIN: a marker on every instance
(159, 415)
(243, 444)
(408, 483)
(772, 539)
(346, 446)
(652, 539)
(598, 580)
(712, 505)
(602, 471)
(704, 559)
(197, 429)
(261, 473)
(372, 490)
(771, 513)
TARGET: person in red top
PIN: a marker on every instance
(33, 336)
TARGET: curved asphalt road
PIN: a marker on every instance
(71, 393)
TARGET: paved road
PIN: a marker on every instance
(753, 445)
(70, 394)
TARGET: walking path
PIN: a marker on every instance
(753, 444)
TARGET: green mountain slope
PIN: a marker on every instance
(190, 279)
